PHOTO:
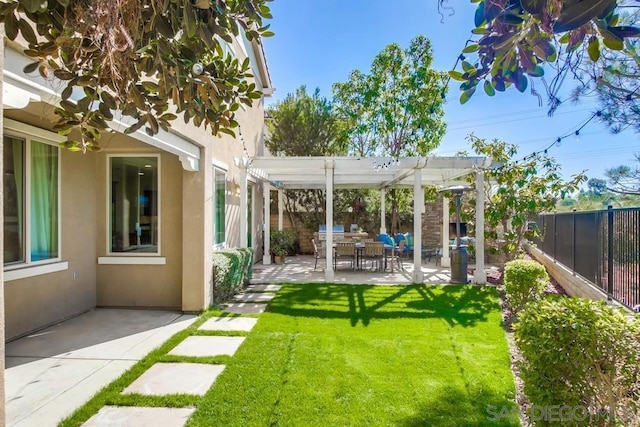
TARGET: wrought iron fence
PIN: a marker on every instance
(601, 246)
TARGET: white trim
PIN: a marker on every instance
(138, 260)
(140, 255)
(33, 131)
(30, 134)
(35, 270)
(220, 165)
(225, 172)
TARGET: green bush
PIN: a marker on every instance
(524, 281)
(231, 271)
(583, 356)
(282, 242)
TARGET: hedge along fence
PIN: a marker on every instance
(582, 358)
(231, 272)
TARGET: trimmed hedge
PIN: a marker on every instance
(581, 357)
(231, 272)
(524, 281)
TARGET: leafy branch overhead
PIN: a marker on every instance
(514, 39)
(148, 59)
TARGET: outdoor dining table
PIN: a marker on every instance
(388, 250)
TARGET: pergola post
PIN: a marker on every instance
(383, 211)
(418, 206)
(242, 177)
(480, 276)
(266, 193)
(328, 271)
(445, 261)
(280, 209)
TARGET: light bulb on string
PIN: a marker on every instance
(576, 136)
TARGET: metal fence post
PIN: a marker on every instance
(610, 251)
(573, 243)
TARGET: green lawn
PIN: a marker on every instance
(337, 355)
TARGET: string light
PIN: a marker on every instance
(556, 143)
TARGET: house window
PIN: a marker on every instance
(134, 208)
(31, 199)
(219, 207)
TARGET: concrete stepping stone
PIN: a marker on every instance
(263, 288)
(229, 324)
(132, 416)
(171, 378)
(207, 346)
(254, 297)
(245, 308)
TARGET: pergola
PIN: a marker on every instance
(331, 173)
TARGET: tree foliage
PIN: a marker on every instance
(302, 125)
(517, 41)
(625, 179)
(395, 110)
(148, 59)
(516, 192)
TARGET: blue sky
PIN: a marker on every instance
(319, 42)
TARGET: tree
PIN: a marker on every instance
(395, 110)
(303, 125)
(516, 192)
(625, 179)
(148, 59)
(519, 40)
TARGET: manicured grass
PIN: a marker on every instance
(326, 355)
(329, 355)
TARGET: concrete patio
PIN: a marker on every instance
(299, 269)
(51, 373)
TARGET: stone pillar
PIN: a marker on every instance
(266, 193)
(383, 211)
(445, 261)
(328, 272)
(480, 276)
(418, 207)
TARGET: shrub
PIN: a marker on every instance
(524, 281)
(581, 355)
(231, 271)
(282, 242)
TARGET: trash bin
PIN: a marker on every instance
(459, 265)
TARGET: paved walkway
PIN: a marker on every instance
(51, 373)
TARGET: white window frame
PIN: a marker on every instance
(28, 268)
(142, 257)
(219, 167)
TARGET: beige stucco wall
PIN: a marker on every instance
(34, 302)
(141, 285)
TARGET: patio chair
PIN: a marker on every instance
(318, 252)
(345, 250)
(374, 251)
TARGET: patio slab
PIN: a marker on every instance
(254, 297)
(263, 288)
(129, 416)
(229, 324)
(197, 346)
(245, 308)
(171, 378)
(49, 374)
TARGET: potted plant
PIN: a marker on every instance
(281, 244)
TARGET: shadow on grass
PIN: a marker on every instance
(457, 305)
(451, 406)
